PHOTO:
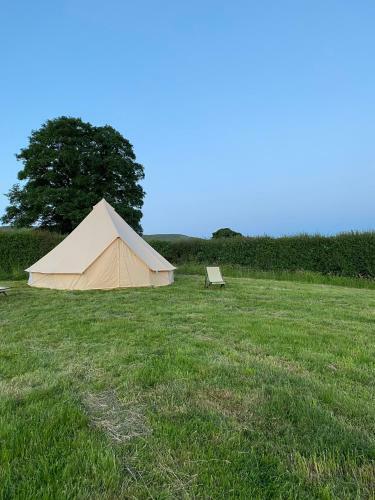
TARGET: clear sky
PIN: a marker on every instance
(257, 115)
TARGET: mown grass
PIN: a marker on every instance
(236, 271)
(264, 389)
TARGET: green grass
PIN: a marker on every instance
(264, 389)
(236, 271)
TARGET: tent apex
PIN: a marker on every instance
(102, 202)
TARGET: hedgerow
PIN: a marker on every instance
(21, 248)
(346, 254)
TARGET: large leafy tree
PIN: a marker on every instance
(68, 166)
(225, 232)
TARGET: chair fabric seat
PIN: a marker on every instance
(213, 276)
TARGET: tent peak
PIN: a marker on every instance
(102, 203)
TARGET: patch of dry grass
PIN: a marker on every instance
(118, 420)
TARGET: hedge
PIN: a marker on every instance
(21, 248)
(346, 254)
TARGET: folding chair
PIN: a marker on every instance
(214, 277)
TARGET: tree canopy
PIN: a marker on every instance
(70, 165)
(225, 232)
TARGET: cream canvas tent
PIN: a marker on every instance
(103, 251)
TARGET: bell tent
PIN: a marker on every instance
(103, 251)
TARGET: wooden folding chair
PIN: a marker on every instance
(214, 277)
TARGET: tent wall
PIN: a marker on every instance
(103, 272)
(161, 278)
(58, 281)
(132, 271)
(116, 267)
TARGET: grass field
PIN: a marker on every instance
(264, 389)
(235, 271)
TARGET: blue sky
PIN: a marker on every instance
(255, 115)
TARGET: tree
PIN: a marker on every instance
(70, 165)
(225, 232)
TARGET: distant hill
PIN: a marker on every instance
(147, 237)
(166, 237)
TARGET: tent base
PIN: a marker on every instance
(83, 282)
